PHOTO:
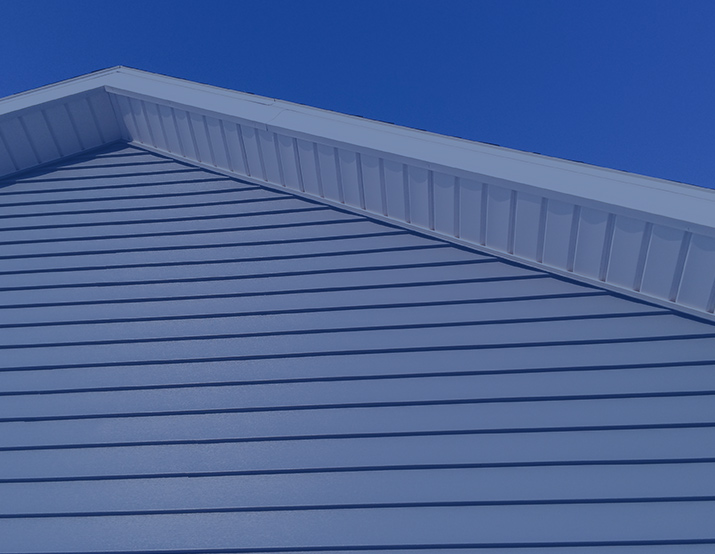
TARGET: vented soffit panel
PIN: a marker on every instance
(645, 237)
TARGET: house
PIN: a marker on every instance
(232, 324)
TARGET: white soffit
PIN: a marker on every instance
(642, 236)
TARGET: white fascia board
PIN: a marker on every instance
(693, 206)
(57, 91)
(657, 197)
(645, 237)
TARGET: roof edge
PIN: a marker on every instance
(660, 197)
(646, 237)
(650, 195)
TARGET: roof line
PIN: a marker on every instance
(641, 236)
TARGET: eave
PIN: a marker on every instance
(644, 237)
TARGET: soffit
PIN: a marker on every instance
(645, 237)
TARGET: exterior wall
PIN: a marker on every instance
(193, 363)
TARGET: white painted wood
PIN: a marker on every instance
(396, 200)
(269, 157)
(697, 288)
(498, 218)
(154, 121)
(527, 219)
(170, 133)
(249, 136)
(183, 125)
(559, 226)
(218, 143)
(102, 110)
(17, 143)
(326, 164)
(628, 238)
(347, 163)
(400, 141)
(372, 184)
(396, 193)
(472, 211)
(236, 149)
(445, 204)
(124, 112)
(143, 131)
(287, 157)
(663, 251)
(419, 197)
(85, 124)
(7, 164)
(397, 141)
(199, 137)
(590, 242)
(308, 168)
(38, 131)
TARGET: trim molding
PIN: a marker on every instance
(648, 238)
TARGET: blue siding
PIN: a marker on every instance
(191, 363)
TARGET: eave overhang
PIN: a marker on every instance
(644, 237)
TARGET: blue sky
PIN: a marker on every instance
(626, 84)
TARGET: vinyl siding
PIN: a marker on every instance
(192, 363)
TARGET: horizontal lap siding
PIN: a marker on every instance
(327, 382)
(468, 292)
(279, 318)
(641, 448)
(366, 526)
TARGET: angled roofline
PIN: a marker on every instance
(646, 237)
(55, 91)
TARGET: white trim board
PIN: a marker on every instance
(645, 237)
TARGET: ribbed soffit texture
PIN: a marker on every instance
(641, 236)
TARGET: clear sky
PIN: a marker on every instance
(627, 84)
